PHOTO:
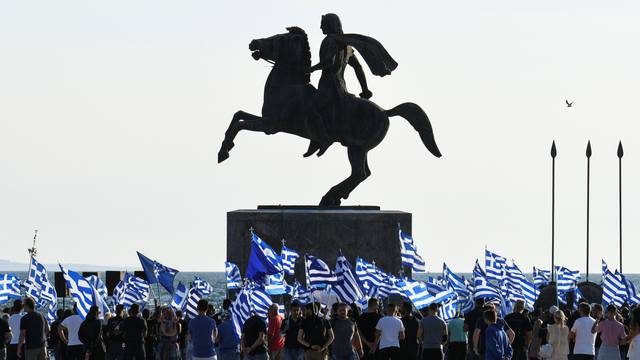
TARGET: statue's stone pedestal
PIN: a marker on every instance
(364, 231)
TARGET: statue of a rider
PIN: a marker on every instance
(336, 52)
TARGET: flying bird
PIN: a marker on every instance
(569, 104)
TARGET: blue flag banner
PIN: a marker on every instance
(275, 284)
(136, 291)
(484, 289)
(165, 275)
(148, 267)
(234, 280)
(409, 253)
(262, 260)
(9, 287)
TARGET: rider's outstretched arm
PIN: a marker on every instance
(355, 64)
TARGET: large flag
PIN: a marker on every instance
(319, 274)
(493, 265)
(147, 266)
(289, 258)
(97, 284)
(37, 285)
(135, 291)
(234, 280)
(409, 253)
(369, 277)
(262, 260)
(456, 283)
(157, 272)
(346, 286)
(9, 287)
(614, 288)
(80, 290)
(633, 296)
(191, 304)
(484, 289)
(419, 295)
(179, 296)
(202, 286)
(541, 277)
(567, 279)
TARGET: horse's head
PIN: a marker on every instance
(289, 51)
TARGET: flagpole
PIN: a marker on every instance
(620, 154)
(554, 153)
(32, 251)
(588, 153)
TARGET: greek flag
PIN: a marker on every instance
(136, 291)
(346, 286)
(493, 265)
(165, 275)
(179, 296)
(449, 308)
(530, 292)
(541, 277)
(80, 290)
(118, 292)
(484, 289)
(369, 277)
(319, 274)
(614, 289)
(97, 284)
(435, 285)
(240, 311)
(419, 295)
(275, 284)
(633, 297)
(289, 258)
(409, 253)
(605, 267)
(514, 273)
(262, 260)
(390, 287)
(567, 279)
(455, 282)
(301, 294)
(234, 280)
(37, 285)
(191, 304)
(9, 287)
(477, 270)
(204, 288)
(260, 301)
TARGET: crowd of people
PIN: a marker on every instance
(311, 331)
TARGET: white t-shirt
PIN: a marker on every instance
(585, 339)
(390, 328)
(72, 324)
(14, 324)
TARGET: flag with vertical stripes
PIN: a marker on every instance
(409, 253)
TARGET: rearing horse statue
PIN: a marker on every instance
(290, 106)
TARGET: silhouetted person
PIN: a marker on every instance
(135, 331)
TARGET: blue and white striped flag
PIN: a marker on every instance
(409, 253)
(202, 286)
(289, 258)
(118, 292)
(165, 275)
(95, 281)
(514, 273)
(9, 287)
(37, 285)
(179, 296)
(260, 301)
(567, 279)
(301, 294)
(484, 289)
(319, 274)
(275, 284)
(80, 290)
(369, 277)
(605, 267)
(346, 286)
(478, 271)
(493, 265)
(449, 308)
(541, 277)
(234, 280)
(455, 282)
(633, 296)
(263, 260)
(191, 304)
(419, 295)
(614, 288)
(136, 291)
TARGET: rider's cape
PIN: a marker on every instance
(374, 54)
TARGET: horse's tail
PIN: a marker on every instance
(420, 121)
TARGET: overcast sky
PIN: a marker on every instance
(112, 113)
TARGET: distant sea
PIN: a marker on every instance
(218, 282)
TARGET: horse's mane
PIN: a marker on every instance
(305, 62)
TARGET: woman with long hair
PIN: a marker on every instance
(558, 336)
(90, 334)
(168, 348)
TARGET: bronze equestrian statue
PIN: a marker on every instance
(329, 114)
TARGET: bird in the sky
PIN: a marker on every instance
(569, 104)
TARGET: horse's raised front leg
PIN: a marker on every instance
(359, 172)
(232, 131)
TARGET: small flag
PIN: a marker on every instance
(234, 280)
(9, 287)
(179, 296)
(289, 258)
(409, 253)
(493, 265)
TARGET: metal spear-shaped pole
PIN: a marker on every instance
(588, 153)
(620, 155)
(554, 153)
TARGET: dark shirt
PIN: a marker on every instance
(134, 329)
(520, 324)
(113, 333)
(90, 334)
(367, 325)
(251, 330)
(343, 330)
(34, 324)
(290, 328)
(4, 329)
(471, 319)
(315, 330)
(480, 324)
(182, 337)
(409, 346)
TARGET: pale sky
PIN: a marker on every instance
(112, 114)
